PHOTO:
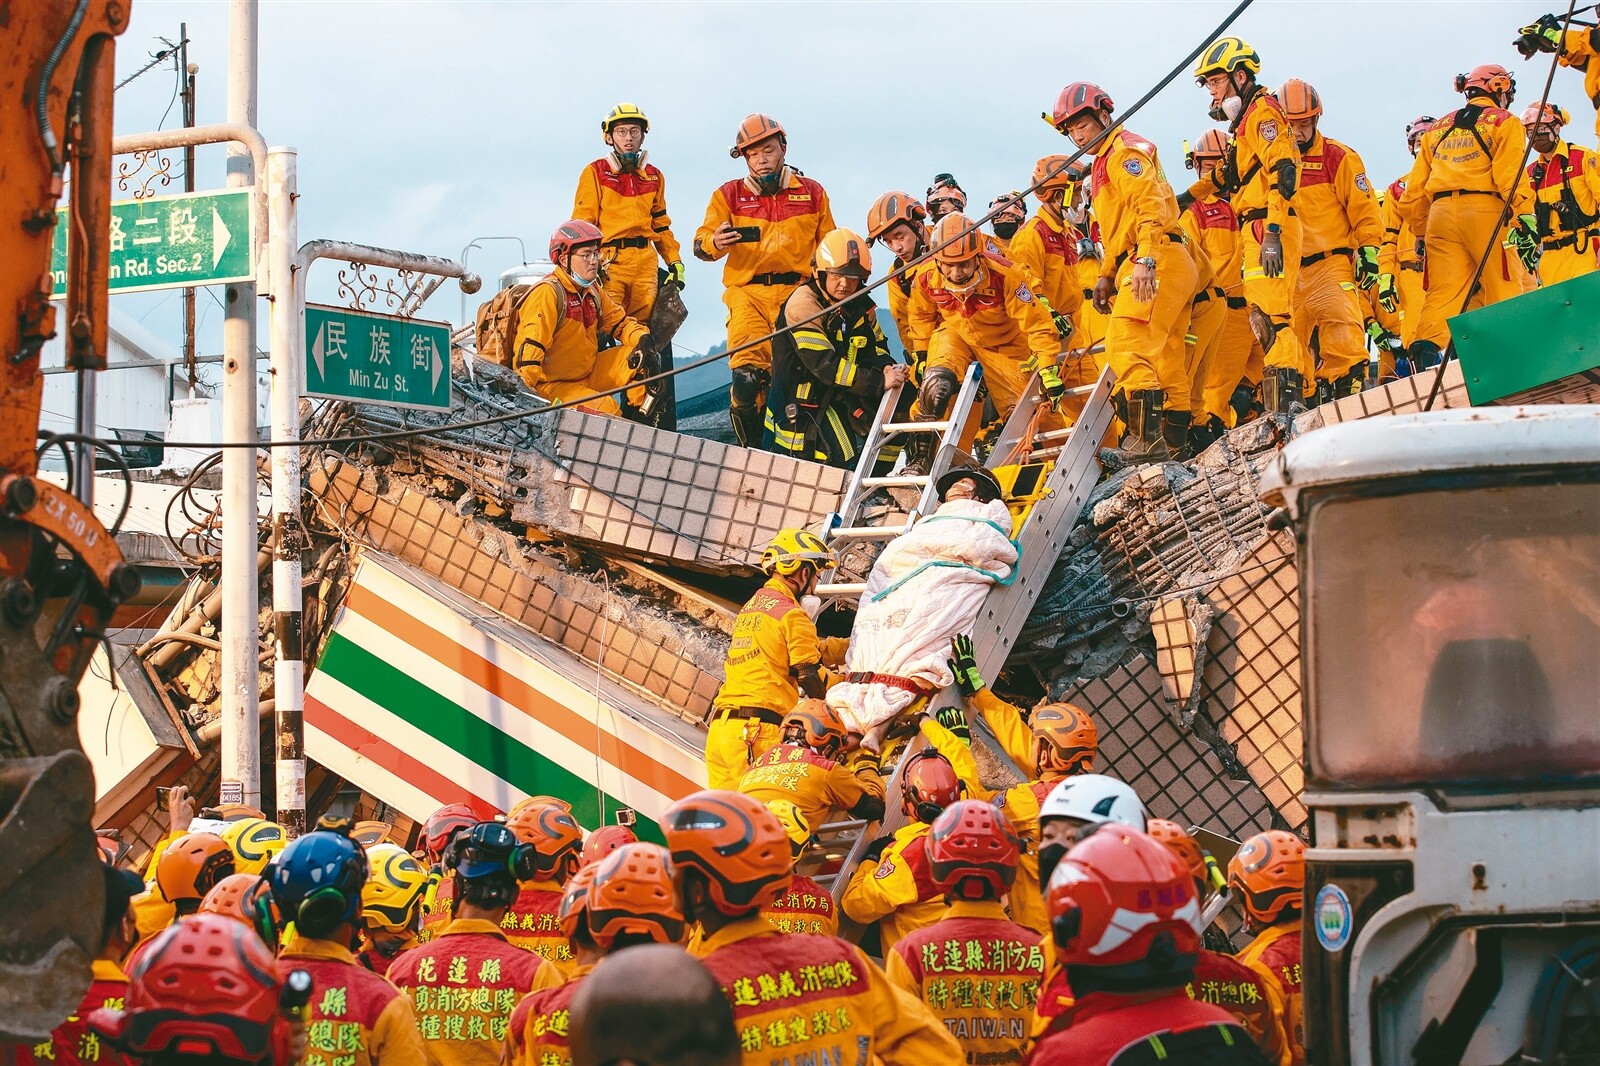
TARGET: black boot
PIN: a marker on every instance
(1282, 386)
(1324, 393)
(1175, 430)
(1205, 434)
(1144, 442)
(1351, 383)
(746, 424)
(1246, 403)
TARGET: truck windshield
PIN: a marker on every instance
(1455, 636)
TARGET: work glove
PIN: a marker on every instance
(1385, 340)
(1366, 266)
(955, 720)
(1525, 238)
(676, 274)
(1185, 200)
(1388, 294)
(965, 665)
(1063, 324)
(1272, 254)
(1050, 381)
(875, 850)
(642, 352)
(1542, 36)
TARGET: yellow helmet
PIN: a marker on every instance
(1226, 55)
(624, 113)
(793, 548)
(392, 897)
(255, 842)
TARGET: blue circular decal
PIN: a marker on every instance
(1334, 921)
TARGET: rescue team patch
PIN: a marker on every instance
(1269, 130)
(884, 870)
(1362, 183)
(1025, 294)
(1134, 167)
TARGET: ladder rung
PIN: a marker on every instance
(839, 827)
(915, 427)
(867, 532)
(895, 482)
(845, 588)
(1054, 434)
(1046, 453)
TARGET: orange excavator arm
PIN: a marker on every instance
(61, 574)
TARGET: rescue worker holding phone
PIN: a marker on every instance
(767, 225)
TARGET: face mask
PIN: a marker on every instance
(1006, 230)
(1231, 108)
(583, 282)
(768, 183)
(629, 160)
(1050, 857)
(811, 605)
(1077, 215)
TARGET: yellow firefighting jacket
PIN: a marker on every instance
(627, 204)
(999, 313)
(1134, 204)
(771, 636)
(817, 786)
(1569, 174)
(793, 222)
(1483, 156)
(1261, 141)
(355, 1017)
(556, 350)
(1335, 201)
(1213, 229)
(1047, 248)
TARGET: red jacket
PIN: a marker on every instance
(1102, 1027)
(73, 1043)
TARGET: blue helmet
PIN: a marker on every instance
(317, 880)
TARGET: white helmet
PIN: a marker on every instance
(1094, 798)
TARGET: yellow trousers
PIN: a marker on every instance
(733, 745)
(1563, 264)
(1326, 300)
(752, 313)
(631, 281)
(1145, 341)
(1459, 229)
(1274, 297)
(1206, 321)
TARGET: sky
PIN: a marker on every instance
(423, 126)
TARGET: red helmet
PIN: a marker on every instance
(569, 235)
(1491, 78)
(206, 986)
(1119, 898)
(555, 836)
(1077, 98)
(603, 842)
(443, 824)
(973, 851)
(633, 893)
(575, 901)
(928, 784)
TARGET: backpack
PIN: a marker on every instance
(496, 323)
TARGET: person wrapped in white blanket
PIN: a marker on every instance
(927, 586)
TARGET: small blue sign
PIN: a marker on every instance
(1334, 920)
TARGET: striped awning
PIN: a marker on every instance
(423, 697)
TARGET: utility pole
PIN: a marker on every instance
(190, 292)
(241, 604)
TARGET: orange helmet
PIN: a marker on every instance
(1537, 114)
(956, 240)
(246, 898)
(1212, 144)
(232, 812)
(972, 848)
(814, 724)
(604, 841)
(843, 252)
(1490, 78)
(735, 843)
(554, 834)
(891, 209)
(539, 801)
(192, 865)
(575, 901)
(1120, 900)
(1269, 873)
(1065, 739)
(1181, 844)
(755, 129)
(928, 784)
(1300, 100)
(1054, 174)
(633, 894)
(370, 833)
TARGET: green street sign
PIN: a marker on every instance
(373, 358)
(166, 242)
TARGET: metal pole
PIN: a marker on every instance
(287, 331)
(241, 604)
(83, 455)
(191, 292)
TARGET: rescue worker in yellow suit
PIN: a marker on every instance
(767, 225)
(817, 766)
(1340, 251)
(1148, 276)
(1058, 741)
(1401, 255)
(626, 196)
(1467, 172)
(1223, 347)
(945, 197)
(1011, 211)
(1578, 48)
(775, 657)
(899, 222)
(973, 305)
(1261, 175)
(1089, 325)
(1046, 249)
(1566, 194)
(831, 363)
(557, 349)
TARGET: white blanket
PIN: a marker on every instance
(926, 587)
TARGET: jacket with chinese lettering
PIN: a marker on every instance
(627, 204)
(805, 998)
(1476, 150)
(792, 222)
(1335, 202)
(979, 973)
(356, 1018)
(1275, 955)
(817, 785)
(806, 908)
(1109, 1029)
(541, 1023)
(464, 984)
(533, 923)
(898, 891)
(1223, 981)
(771, 636)
(73, 1043)
(436, 903)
